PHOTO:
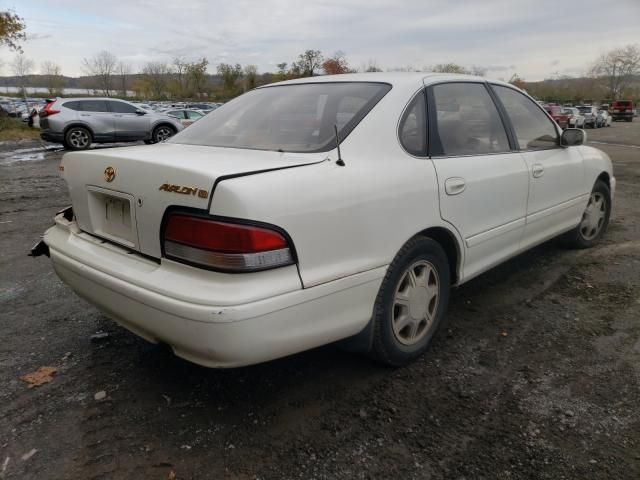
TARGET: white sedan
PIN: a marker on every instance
(323, 209)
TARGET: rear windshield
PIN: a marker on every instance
(288, 118)
(622, 104)
(584, 109)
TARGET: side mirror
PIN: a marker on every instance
(140, 112)
(572, 137)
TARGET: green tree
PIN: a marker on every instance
(197, 75)
(12, 30)
(250, 77)
(230, 75)
(308, 63)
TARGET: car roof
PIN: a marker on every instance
(399, 79)
(64, 99)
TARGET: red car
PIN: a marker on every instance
(622, 110)
(558, 115)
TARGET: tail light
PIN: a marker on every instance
(48, 110)
(225, 246)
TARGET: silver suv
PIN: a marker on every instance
(79, 122)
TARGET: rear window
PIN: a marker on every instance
(622, 104)
(93, 106)
(288, 118)
(584, 109)
(72, 105)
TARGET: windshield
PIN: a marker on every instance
(288, 118)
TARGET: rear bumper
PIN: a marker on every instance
(195, 317)
(52, 136)
(618, 116)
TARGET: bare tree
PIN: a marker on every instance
(371, 66)
(180, 66)
(617, 68)
(123, 70)
(22, 67)
(102, 66)
(53, 77)
(156, 77)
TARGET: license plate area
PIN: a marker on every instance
(113, 216)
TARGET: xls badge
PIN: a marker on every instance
(170, 187)
(109, 174)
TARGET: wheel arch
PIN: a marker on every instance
(81, 125)
(164, 123)
(604, 177)
(451, 246)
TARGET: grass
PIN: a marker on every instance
(12, 129)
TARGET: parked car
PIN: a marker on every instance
(604, 118)
(590, 114)
(322, 209)
(186, 116)
(558, 114)
(79, 122)
(576, 119)
(622, 110)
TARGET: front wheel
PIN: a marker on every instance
(411, 302)
(162, 133)
(595, 219)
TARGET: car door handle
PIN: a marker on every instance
(85, 115)
(537, 170)
(454, 185)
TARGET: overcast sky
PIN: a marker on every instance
(534, 38)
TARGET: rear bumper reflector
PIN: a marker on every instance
(232, 262)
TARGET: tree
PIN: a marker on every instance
(123, 70)
(103, 66)
(371, 66)
(617, 69)
(450, 68)
(308, 63)
(250, 77)
(230, 75)
(22, 67)
(53, 77)
(11, 30)
(197, 75)
(155, 77)
(516, 81)
(336, 65)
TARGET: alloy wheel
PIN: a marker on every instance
(79, 139)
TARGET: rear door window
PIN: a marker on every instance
(93, 106)
(121, 107)
(468, 122)
(72, 105)
(534, 130)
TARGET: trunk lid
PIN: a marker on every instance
(121, 194)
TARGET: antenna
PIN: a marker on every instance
(339, 161)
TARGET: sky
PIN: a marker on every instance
(535, 39)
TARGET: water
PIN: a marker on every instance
(66, 91)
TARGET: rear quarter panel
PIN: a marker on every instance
(344, 220)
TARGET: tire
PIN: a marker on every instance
(595, 219)
(162, 133)
(77, 138)
(415, 289)
(148, 142)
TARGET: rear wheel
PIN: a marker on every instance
(162, 133)
(411, 302)
(595, 219)
(77, 138)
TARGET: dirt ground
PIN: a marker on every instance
(536, 374)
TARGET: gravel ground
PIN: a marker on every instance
(536, 373)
